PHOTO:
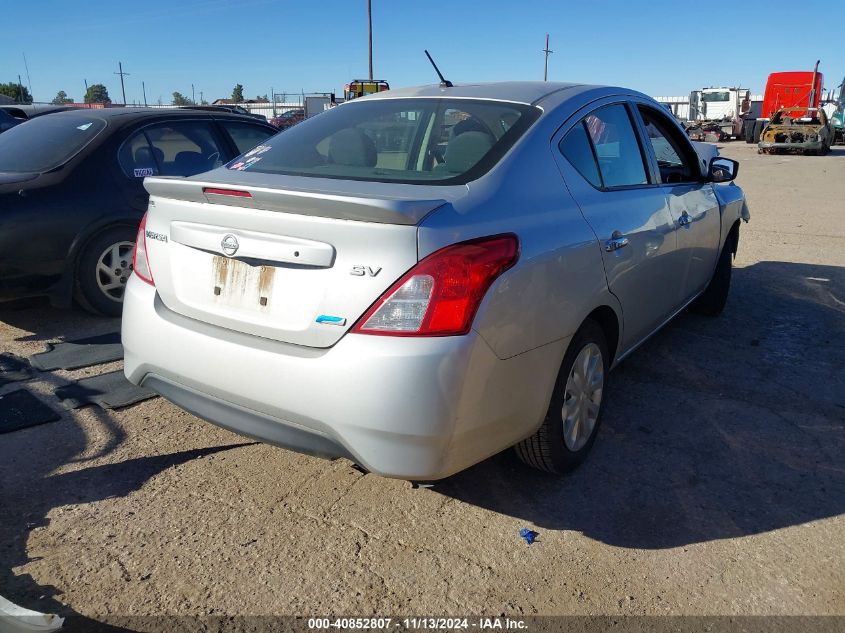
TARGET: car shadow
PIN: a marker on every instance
(43, 322)
(48, 467)
(714, 429)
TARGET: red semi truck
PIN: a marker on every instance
(791, 89)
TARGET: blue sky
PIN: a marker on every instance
(657, 47)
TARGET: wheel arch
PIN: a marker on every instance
(62, 293)
(611, 325)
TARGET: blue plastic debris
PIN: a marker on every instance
(529, 535)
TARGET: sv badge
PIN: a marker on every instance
(361, 271)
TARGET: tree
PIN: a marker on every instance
(238, 93)
(17, 92)
(61, 98)
(261, 99)
(181, 100)
(97, 93)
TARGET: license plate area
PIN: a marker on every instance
(238, 284)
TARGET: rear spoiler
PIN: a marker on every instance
(342, 207)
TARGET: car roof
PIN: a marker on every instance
(528, 92)
(122, 116)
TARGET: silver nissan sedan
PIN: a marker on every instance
(421, 278)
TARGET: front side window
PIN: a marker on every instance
(45, 142)
(675, 164)
(245, 135)
(431, 141)
(617, 149)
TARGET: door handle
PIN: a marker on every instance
(615, 242)
(685, 219)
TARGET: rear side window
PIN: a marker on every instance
(246, 136)
(45, 142)
(576, 147)
(617, 149)
(430, 141)
(170, 149)
(184, 148)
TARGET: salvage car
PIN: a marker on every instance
(71, 193)
(812, 134)
(419, 279)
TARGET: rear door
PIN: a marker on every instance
(605, 169)
(691, 201)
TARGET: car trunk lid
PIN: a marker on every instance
(285, 264)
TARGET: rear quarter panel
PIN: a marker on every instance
(559, 277)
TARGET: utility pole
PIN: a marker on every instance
(201, 99)
(20, 88)
(122, 74)
(370, 38)
(144, 90)
(193, 96)
(546, 65)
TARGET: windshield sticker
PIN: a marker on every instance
(258, 149)
(144, 171)
(239, 166)
(84, 126)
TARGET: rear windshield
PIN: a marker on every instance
(431, 141)
(45, 142)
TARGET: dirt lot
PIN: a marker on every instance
(717, 485)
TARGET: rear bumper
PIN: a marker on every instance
(400, 407)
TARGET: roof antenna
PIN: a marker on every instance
(444, 83)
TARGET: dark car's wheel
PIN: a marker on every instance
(712, 301)
(103, 269)
(569, 430)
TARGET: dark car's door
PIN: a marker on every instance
(606, 171)
(169, 147)
(691, 200)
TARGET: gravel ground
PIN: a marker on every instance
(716, 487)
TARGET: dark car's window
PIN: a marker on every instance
(184, 148)
(43, 143)
(616, 146)
(137, 159)
(432, 141)
(575, 146)
(245, 135)
(673, 158)
(181, 148)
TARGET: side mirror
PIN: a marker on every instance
(723, 169)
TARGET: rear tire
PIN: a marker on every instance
(103, 269)
(712, 301)
(569, 431)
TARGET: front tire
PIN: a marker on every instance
(567, 434)
(103, 269)
(712, 301)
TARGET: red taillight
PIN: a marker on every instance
(441, 294)
(140, 260)
(238, 193)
